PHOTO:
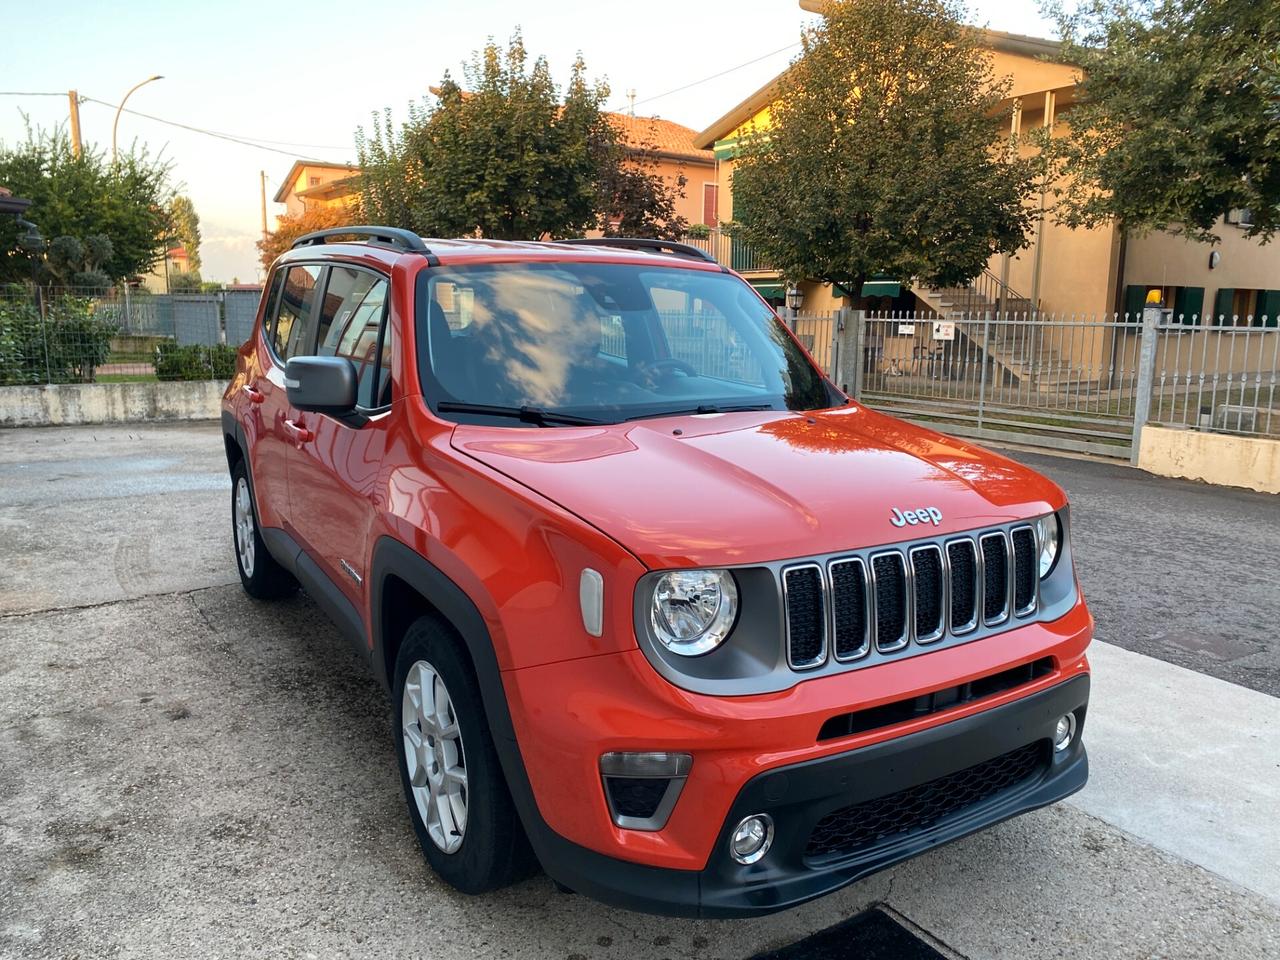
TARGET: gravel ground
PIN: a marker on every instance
(186, 772)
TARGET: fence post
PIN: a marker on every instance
(44, 334)
(1151, 317)
(857, 336)
(982, 381)
(128, 310)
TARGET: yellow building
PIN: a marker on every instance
(313, 184)
(1062, 270)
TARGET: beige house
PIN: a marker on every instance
(312, 184)
(1062, 270)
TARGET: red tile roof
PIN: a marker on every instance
(667, 138)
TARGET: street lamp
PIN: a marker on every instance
(795, 297)
(120, 109)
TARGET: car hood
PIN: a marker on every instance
(722, 489)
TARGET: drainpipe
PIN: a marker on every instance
(1049, 101)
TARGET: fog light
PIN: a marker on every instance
(1064, 732)
(752, 838)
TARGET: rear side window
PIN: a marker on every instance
(296, 311)
(352, 325)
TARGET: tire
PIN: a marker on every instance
(260, 573)
(469, 831)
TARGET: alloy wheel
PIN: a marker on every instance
(244, 527)
(434, 756)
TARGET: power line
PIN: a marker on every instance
(243, 141)
(717, 76)
(28, 93)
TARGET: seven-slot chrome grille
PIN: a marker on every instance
(887, 600)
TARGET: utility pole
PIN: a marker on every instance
(262, 184)
(74, 97)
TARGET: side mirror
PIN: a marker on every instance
(322, 384)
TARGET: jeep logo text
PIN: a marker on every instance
(900, 518)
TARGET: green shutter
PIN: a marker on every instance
(1135, 295)
(1222, 306)
(1188, 305)
(1269, 307)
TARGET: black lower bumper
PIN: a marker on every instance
(798, 797)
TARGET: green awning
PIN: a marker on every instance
(769, 290)
(881, 287)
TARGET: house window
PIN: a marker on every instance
(1237, 307)
(313, 181)
(711, 204)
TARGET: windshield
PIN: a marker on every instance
(585, 342)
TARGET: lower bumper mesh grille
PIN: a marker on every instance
(851, 829)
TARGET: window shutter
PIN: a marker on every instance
(1188, 304)
(1269, 307)
(1222, 306)
(1135, 295)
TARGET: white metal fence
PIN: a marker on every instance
(1081, 383)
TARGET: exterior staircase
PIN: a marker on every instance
(1015, 337)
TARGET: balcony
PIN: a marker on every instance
(730, 251)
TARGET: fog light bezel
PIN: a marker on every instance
(1061, 746)
(757, 855)
(645, 765)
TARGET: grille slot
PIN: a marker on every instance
(995, 578)
(963, 562)
(860, 826)
(806, 616)
(1026, 575)
(927, 578)
(851, 637)
(889, 583)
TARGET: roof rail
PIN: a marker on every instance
(643, 243)
(405, 240)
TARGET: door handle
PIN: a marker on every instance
(255, 396)
(298, 431)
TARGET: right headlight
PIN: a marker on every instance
(694, 610)
(1049, 537)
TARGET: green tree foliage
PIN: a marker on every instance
(76, 264)
(509, 158)
(186, 228)
(884, 155)
(1177, 118)
(84, 197)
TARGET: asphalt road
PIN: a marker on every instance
(186, 772)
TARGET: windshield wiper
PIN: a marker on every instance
(705, 408)
(525, 414)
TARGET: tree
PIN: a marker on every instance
(508, 158)
(127, 202)
(291, 226)
(1177, 117)
(186, 228)
(883, 154)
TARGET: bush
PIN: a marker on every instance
(698, 231)
(195, 361)
(66, 348)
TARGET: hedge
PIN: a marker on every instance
(195, 362)
(66, 347)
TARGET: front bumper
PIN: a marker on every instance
(800, 795)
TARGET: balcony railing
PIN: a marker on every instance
(730, 251)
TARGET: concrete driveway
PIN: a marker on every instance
(185, 772)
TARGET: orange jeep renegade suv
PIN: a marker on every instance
(658, 607)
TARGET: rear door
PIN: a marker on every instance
(272, 418)
(332, 475)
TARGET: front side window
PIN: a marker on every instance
(605, 342)
(352, 326)
(294, 313)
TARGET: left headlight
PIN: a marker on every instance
(694, 610)
(1049, 536)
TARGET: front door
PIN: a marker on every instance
(333, 474)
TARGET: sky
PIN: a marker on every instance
(302, 77)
